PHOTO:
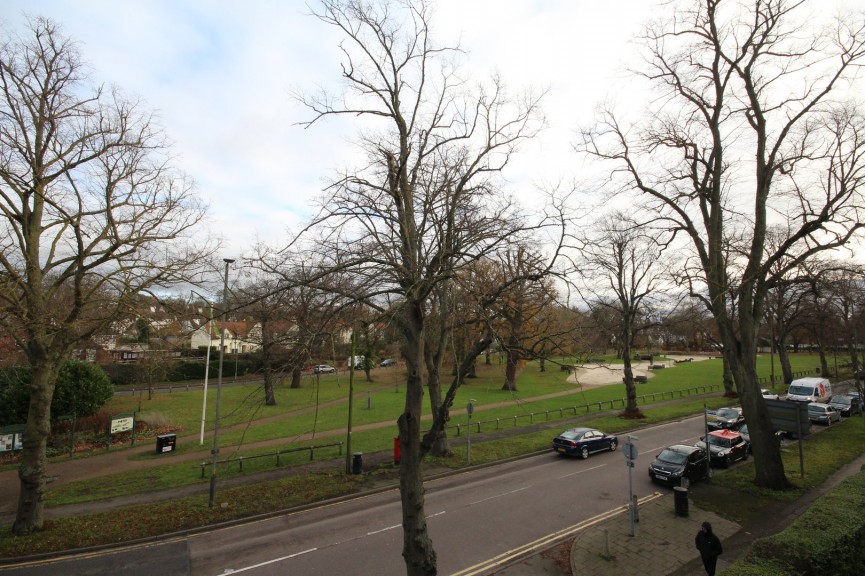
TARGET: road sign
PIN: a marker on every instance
(630, 451)
(470, 408)
(789, 416)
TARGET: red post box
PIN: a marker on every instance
(396, 449)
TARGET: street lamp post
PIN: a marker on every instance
(215, 450)
(206, 374)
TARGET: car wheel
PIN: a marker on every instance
(613, 446)
(726, 462)
(584, 453)
(745, 456)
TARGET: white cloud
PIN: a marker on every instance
(220, 74)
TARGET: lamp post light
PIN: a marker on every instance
(215, 450)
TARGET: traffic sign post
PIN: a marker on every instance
(470, 408)
(631, 454)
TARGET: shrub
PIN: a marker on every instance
(827, 539)
(81, 389)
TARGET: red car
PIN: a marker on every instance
(725, 447)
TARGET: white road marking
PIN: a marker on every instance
(581, 471)
(400, 525)
(499, 495)
(383, 530)
(260, 564)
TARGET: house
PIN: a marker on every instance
(239, 337)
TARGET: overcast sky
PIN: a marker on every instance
(219, 74)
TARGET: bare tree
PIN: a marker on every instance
(92, 215)
(258, 301)
(424, 206)
(622, 270)
(523, 312)
(743, 131)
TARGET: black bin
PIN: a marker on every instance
(357, 463)
(166, 443)
(680, 497)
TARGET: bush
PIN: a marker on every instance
(827, 539)
(81, 389)
(14, 395)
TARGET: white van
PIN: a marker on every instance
(810, 390)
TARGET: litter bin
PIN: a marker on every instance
(166, 443)
(680, 497)
(357, 463)
(396, 449)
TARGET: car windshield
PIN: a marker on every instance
(840, 399)
(728, 413)
(715, 441)
(672, 457)
(817, 408)
(801, 390)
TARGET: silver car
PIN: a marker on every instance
(823, 413)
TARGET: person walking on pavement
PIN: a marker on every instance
(709, 546)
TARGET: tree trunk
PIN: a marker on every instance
(296, 373)
(729, 384)
(741, 361)
(269, 396)
(31, 472)
(784, 361)
(418, 552)
(512, 356)
(441, 446)
(630, 388)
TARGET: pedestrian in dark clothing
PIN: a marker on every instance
(709, 546)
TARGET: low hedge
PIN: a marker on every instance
(827, 539)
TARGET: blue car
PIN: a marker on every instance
(583, 441)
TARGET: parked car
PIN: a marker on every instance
(584, 441)
(323, 369)
(679, 461)
(822, 413)
(725, 419)
(847, 405)
(746, 436)
(769, 395)
(387, 362)
(725, 447)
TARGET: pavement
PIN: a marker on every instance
(663, 540)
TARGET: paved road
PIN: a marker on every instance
(473, 517)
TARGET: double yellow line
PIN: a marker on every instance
(547, 541)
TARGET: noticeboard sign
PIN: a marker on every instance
(122, 423)
(12, 438)
(789, 416)
(11, 442)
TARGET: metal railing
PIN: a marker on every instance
(583, 408)
(240, 459)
